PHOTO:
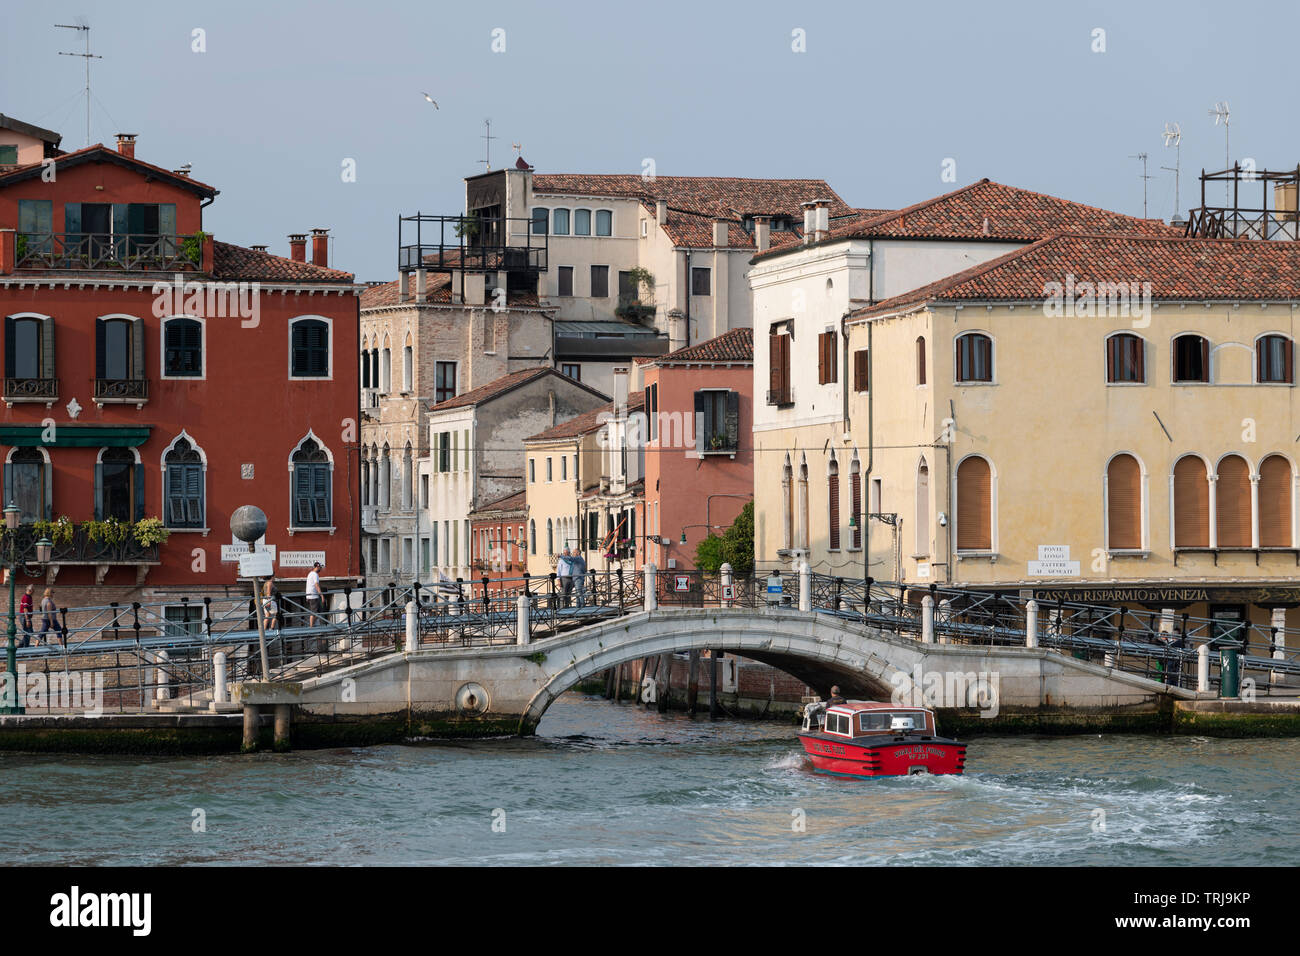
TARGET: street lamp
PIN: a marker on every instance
(13, 517)
(248, 524)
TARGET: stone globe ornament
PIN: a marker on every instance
(248, 523)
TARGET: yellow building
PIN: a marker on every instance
(1100, 418)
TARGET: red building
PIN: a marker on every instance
(699, 470)
(153, 372)
(499, 539)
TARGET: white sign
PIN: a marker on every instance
(233, 552)
(1053, 552)
(1053, 569)
(301, 559)
(681, 582)
(258, 564)
(923, 570)
(728, 592)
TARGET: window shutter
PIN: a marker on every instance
(1140, 358)
(138, 513)
(774, 362)
(1205, 359)
(974, 506)
(47, 348)
(9, 484)
(100, 347)
(167, 219)
(47, 476)
(821, 359)
(1124, 503)
(1275, 503)
(122, 221)
(860, 383)
(72, 217)
(1112, 344)
(698, 423)
(1232, 504)
(9, 356)
(175, 503)
(321, 493)
(1261, 366)
(302, 493)
(99, 491)
(920, 361)
(1191, 504)
(855, 507)
(833, 491)
(1288, 350)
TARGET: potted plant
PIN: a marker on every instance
(468, 228)
(717, 442)
(192, 247)
(149, 532)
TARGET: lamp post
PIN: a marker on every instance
(248, 524)
(13, 516)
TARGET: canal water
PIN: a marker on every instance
(604, 783)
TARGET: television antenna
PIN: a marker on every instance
(1145, 177)
(1173, 135)
(87, 56)
(1222, 113)
(487, 145)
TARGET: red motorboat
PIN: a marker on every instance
(869, 739)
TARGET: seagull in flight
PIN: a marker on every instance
(431, 100)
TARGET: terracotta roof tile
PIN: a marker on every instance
(515, 501)
(87, 154)
(1177, 268)
(238, 263)
(499, 386)
(736, 346)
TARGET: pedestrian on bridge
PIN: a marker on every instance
(564, 569)
(49, 616)
(579, 566)
(313, 593)
(25, 615)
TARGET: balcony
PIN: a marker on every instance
(470, 244)
(81, 551)
(31, 390)
(109, 391)
(86, 252)
(635, 308)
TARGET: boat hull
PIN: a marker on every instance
(888, 756)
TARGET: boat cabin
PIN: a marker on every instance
(868, 718)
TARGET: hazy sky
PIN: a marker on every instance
(287, 90)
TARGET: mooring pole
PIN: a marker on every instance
(692, 682)
(713, 685)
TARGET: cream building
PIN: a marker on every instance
(1108, 419)
(809, 459)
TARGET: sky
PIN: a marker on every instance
(284, 92)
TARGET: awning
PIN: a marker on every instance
(74, 436)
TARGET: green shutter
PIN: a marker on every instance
(99, 491)
(137, 350)
(72, 217)
(47, 348)
(139, 493)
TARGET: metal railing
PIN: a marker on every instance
(117, 252)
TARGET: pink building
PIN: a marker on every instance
(699, 468)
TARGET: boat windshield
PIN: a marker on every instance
(878, 721)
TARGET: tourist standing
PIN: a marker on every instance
(579, 565)
(313, 593)
(564, 567)
(25, 616)
(49, 614)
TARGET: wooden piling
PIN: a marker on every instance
(692, 682)
(713, 685)
(665, 675)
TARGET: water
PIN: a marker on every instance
(611, 784)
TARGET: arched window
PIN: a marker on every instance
(532, 535)
(974, 505)
(27, 483)
(1124, 504)
(374, 368)
(920, 360)
(923, 508)
(386, 368)
(1232, 512)
(604, 222)
(183, 348)
(29, 356)
(1274, 360)
(787, 505)
(582, 222)
(365, 365)
(1275, 483)
(974, 357)
(855, 500)
(385, 478)
(119, 485)
(1125, 358)
(183, 485)
(310, 481)
(408, 478)
(1191, 503)
(1191, 356)
(408, 365)
(365, 478)
(309, 348)
(560, 222)
(550, 537)
(541, 216)
(833, 503)
(803, 505)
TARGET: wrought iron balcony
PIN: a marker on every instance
(86, 251)
(81, 550)
(470, 244)
(121, 390)
(31, 390)
(635, 308)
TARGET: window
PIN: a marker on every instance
(652, 411)
(700, 281)
(408, 366)
(564, 468)
(922, 508)
(9, 155)
(532, 536)
(424, 491)
(310, 349)
(717, 420)
(974, 505)
(974, 358)
(424, 555)
(1274, 362)
(826, 364)
(778, 369)
(1275, 481)
(1191, 359)
(1191, 503)
(1125, 358)
(1232, 510)
(860, 374)
(572, 370)
(560, 222)
(855, 502)
(119, 485)
(444, 451)
(1124, 504)
(532, 471)
(444, 384)
(183, 485)
(550, 536)
(365, 366)
(36, 222)
(548, 469)
(311, 485)
(604, 222)
(600, 282)
(582, 222)
(386, 368)
(540, 217)
(27, 480)
(920, 360)
(183, 620)
(833, 503)
(183, 348)
(565, 277)
(119, 351)
(29, 356)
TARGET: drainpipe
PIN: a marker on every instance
(844, 381)
(866, 484)
(688, 297)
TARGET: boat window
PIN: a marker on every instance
(873, 722)
(837, 724)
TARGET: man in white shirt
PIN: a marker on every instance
(313, 593)
(564, 570)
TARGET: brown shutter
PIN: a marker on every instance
(1124, 503)
(822, 377)
(779, 349)
(832, 357)
(1205, 359)
(860, 383)
(834, 491)
(1191, 504)
(1232, 503)
(855, 507)
(1287, 352)
(1275, 503)
(1110, 357)
(1140, 357)
(920, 360)
(974, 506)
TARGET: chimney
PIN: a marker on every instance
(719, 233)
(620, 391)
(762, 233)
(320, 247)
(126, 144)
(298, 247)
(258, 248)
(821, 219)
(808, 221)
(661, 211)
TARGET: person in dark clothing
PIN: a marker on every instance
(835, 697)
